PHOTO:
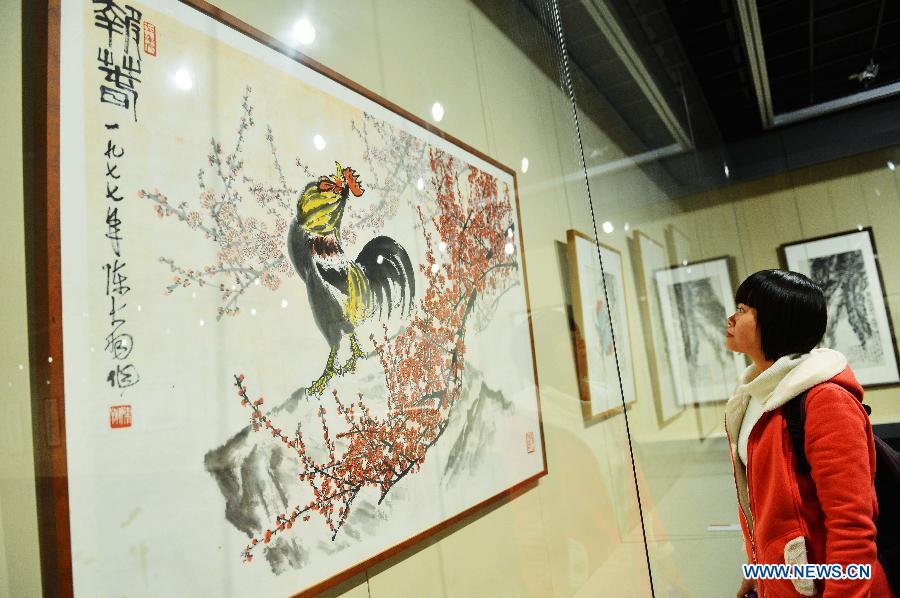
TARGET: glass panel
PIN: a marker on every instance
(487, 74)
(691, 238)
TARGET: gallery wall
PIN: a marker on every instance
(19, 562)
(751, 220)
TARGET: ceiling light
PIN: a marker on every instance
(304, 32)
(437, 111)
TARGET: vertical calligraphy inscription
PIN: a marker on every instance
(119, 63)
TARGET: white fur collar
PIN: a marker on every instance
(794, 374)
(820, 365)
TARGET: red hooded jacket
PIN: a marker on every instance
(826, 516)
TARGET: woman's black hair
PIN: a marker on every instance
(790, 311)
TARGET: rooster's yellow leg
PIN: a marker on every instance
(318, 387)
(355, 353)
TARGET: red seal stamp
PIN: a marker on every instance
(529, 442)
(120, 416)
(149, 38)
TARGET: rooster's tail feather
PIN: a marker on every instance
(390, 275)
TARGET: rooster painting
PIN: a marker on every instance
(344, 293)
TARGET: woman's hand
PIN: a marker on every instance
(746, 586)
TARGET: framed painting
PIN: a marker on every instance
(846, 266)
(679, 246)
(281, 299)
(601, 338)
(696, 300)
(650, 258)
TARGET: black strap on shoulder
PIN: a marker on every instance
(794, 412)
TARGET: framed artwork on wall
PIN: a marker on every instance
(846, 266)
(650, 258)
(280, 297)
(695, 301)
(601, 337)
(679, 246)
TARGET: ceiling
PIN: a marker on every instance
(811, 48)
(696, 86)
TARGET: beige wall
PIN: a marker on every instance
(751, 220)
(19, 563)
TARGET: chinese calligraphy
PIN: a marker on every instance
(120, 65)
(119, 71)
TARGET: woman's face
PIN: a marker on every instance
(742, 334)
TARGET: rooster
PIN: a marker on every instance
(344, 293)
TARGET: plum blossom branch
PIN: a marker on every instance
(249, 249)
(423, 365)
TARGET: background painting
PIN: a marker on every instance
(859, 325)
(603, 344)
(650, 257)
(696, 299)
(295, 321)
(679, 246)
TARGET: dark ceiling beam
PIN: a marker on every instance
(824, 65)
(820, 17)
(725, 73)
(756, 55)
(729, 48)
(812, 50)
(724, 20)
(841, 103)
(878, 28)
(606, 21)
(831, 40)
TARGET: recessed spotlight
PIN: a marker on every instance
(304, 32)
(524, 165)
(891, 165)
(437, 111)
(608, 227)
(319, 142)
